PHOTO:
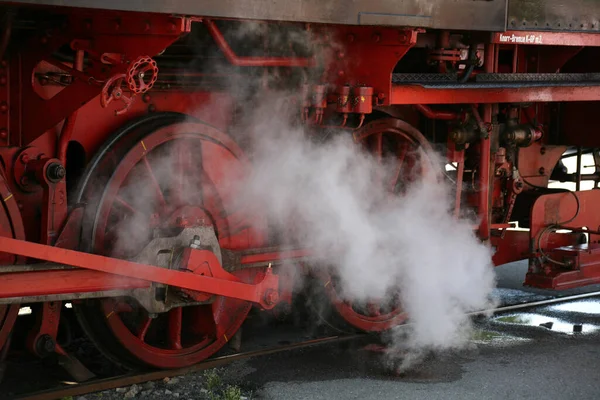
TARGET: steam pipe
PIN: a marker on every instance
(6, 34)
(253, 61)
(471, 58)
(69, 126)
(431, 114)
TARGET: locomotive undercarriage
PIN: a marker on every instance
(90, 103)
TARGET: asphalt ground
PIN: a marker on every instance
(510, 356)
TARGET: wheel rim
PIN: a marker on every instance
(11, 225)
(182, 166)
(8, 316)
(404, 151)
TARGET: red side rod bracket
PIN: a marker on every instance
(253, 61)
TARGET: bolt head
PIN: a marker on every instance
(55, 172)
(271, 297)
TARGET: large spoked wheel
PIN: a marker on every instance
(403, 153)
(11, 225)
(160, 174)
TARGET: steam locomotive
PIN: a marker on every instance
(93, 94)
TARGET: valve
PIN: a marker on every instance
(113, 91)
(140, 77)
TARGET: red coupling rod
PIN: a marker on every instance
(253, 61)
(256, 293)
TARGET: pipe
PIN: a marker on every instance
(431, 114)
(8, 16)
(472, 57)
(578, 172)
(253, 61)
(69, 126)
(485, 151)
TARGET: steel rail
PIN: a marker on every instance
(534, 303)
(130, 379)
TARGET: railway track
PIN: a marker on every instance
(137, 378)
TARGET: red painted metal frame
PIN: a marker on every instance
(516, 245)
(568, 266)
(411, 94)
(128, 34)
(366, 56)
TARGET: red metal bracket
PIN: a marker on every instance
(568, 266)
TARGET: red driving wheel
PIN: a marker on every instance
(166, 174)
(403, 150)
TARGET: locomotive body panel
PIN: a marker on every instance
(437, 14)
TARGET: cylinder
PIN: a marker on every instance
(363, 99)
(344, 103)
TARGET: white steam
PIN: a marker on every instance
(326, 195)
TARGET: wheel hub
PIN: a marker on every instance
(166, 252)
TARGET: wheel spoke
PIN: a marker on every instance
(405, 151)
(402, 151)
(181, 183)
(159, 193)
(144, 328)
(379, 146)
(175, 326)
(126, 205)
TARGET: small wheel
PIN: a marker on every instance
(404, 150)
(153, 176)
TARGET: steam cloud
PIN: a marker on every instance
(326, 196)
